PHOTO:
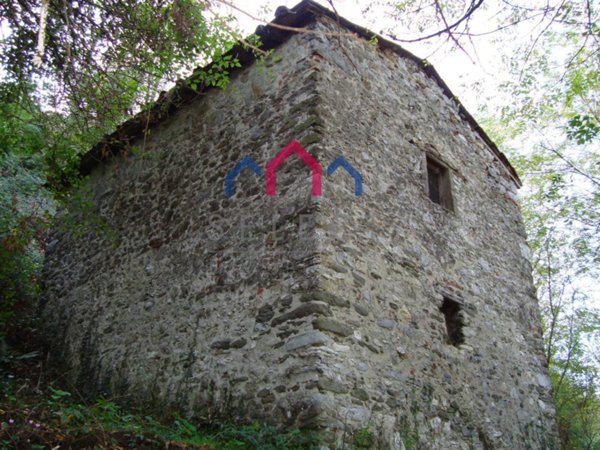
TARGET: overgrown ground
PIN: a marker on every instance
(36, 415)
(38, 412)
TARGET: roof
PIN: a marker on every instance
(272, 35)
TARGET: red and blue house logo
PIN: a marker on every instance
(293, 148)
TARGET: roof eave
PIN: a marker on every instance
(271, 37)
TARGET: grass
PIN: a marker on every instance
(33, 417)
(37, 412)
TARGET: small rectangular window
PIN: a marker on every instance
(438, 183)
(454, 322)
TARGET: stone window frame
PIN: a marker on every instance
(432, 163)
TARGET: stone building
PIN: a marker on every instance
(400, 299)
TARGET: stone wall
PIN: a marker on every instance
(394, 254)
(313, 312)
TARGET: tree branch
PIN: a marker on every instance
(472, 8)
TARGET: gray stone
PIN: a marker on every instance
(286, 301)
(374, 348)
(238, 343)
(360, 394)
(306, 309)
(544, 381)
(332, 386)
(306, 339)
(265, 313)
(221, 344)
(362, 310)
(363, 367)
(338, 268)
(358, 279)
(386, 323)
(332, 326)
(327, 297)
(523, 416)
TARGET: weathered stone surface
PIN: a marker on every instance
(238, 343)
(544, 380)
(327, 297)
(306, 309)
(222, 344)
(386, 323)
(306, 339)
(332, 386)
(361, 394)
(265, 313)
(332, 326)
(362, 310)
(205, 298)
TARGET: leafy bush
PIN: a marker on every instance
(25, 209)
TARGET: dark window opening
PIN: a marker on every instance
(433, 177)
(438, 183)
(454, 322)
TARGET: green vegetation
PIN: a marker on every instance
(50, 418)
(364, 439)
(36, 414)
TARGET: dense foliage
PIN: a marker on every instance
(99, 60)
(57, 420)
(71, 72)
(25, 206)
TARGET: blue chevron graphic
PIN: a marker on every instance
(340, 161)
(246, 163)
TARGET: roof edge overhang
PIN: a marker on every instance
(272, 35)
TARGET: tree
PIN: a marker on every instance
(25, 206)
(95, 63)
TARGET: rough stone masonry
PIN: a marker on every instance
(408, 310)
